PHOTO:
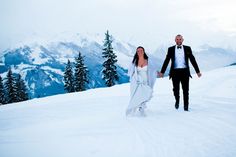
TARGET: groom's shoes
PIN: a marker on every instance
(177, 105)
(186, 109)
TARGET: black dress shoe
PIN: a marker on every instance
(186, 109)
(176, 104)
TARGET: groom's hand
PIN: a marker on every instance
(160, 74)
(199, 74)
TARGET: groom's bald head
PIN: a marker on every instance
(179, 39)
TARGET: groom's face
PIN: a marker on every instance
(179, 40)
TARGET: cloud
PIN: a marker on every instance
(146, 22)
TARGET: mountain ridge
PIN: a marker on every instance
(42, 63)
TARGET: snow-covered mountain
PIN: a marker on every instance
(42, 63)
(92, 124)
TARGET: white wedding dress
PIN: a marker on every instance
(140, 93)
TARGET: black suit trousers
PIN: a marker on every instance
(181, 76)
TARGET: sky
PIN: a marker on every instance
(150, 23)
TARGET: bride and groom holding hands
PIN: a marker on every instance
(143, 75)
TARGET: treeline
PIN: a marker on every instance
(76, 76)
(12, 88)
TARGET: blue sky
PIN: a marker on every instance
(150, 23)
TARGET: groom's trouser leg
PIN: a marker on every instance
(176, 82)
(185, 87)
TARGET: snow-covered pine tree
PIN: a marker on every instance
(22, 94)
(2, 101)
(10, 88)
(109, 71)
(69, 78)
(81, 74)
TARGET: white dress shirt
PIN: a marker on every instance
(179, 58)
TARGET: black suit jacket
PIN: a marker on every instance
(171, 56)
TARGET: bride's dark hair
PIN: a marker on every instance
(135, 59)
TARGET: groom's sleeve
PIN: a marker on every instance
(193, 61)
(166, 62)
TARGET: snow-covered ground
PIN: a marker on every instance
(93, 123)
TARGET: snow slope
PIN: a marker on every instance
(93, 123)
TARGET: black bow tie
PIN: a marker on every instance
(179, 47)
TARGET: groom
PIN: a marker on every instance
(179, 72)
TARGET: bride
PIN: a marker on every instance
(142, 78)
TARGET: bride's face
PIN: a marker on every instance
(140, 52)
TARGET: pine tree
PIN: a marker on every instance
(2, 101)
(109, 71)
(69, 78)
(81, 74)
(10, 88)
(22, 94)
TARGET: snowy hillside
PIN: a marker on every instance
(93, 123)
